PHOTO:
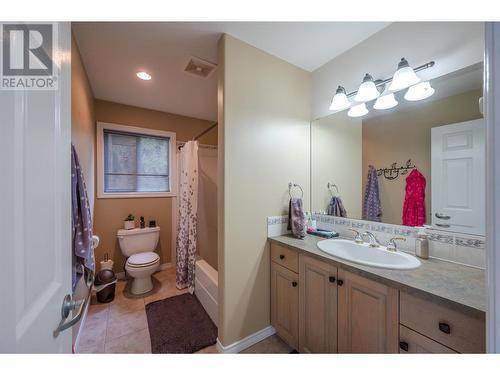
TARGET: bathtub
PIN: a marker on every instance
(205, 288)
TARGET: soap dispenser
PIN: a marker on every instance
(422, 244)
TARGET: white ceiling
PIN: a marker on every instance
(113, 52)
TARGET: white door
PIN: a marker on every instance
(458, 177)
(35, 220)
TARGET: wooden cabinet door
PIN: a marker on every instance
(317, 306)
(285, 304)
(367, 315)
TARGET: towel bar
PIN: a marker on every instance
(292, 185)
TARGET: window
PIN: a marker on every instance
(134, 162)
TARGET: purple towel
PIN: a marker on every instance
(336, 207)
(83, 254)
(371, 204)
(296, 222)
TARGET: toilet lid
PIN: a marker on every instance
(143, 259)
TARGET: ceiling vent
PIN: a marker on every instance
(199, 67)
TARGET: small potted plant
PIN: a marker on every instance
(129, 222)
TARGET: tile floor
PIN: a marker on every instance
(121, 326)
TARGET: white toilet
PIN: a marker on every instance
(138, 246)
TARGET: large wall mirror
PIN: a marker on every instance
(375, 167)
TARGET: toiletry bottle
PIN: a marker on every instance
(422, 244)
(143, 223)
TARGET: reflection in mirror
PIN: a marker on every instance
(427, 157)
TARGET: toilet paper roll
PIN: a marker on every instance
(107, 264)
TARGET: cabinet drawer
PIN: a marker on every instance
(462, 332)
(285, 257)
(413, 342)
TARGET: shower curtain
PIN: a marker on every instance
(188, 216)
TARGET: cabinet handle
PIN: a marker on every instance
(331, 279)
(282, 256)
(445, 328)
(294, 284)
(340, 282)
(403, 346)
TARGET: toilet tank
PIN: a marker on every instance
(138, 240)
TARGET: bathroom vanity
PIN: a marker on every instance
(322, 304)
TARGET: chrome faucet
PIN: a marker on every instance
(391, 245)
(373, 240)
(357, 236)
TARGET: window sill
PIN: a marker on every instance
(102, 195)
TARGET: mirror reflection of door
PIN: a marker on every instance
(458, 177)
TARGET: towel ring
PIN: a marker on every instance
(290, 186)
(331, 186)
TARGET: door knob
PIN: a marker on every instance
(294, 284)
(282, 256)
(443, 225)
(442, 216)
(340, 282)
(331, 279)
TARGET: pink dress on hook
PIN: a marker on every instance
(414, 205)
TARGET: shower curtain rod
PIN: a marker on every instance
(205, 131)
(181, 144)
(201, 134)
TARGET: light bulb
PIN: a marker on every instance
(420, 91)
(367, 90)
(340, 101)
(404, 77)
(358, 110)
(143, 75)
(386, 102)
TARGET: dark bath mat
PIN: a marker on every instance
(179, 325)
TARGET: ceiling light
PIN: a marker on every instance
(340, 101)
(420, 91)
(404, 77)
(143, 75)
(386, 102)
(358, 110)
(367, 90)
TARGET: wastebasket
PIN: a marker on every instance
(105, 284)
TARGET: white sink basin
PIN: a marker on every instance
(370, 256)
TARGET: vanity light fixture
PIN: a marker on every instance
(143, 75)
(340, 101)
(367, 90)
(386, 101)
(420, 91)
(358, 110)
(404, 77)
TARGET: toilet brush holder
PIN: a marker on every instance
(107, 264)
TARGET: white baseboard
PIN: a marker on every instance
(247, 342)
(164, 266)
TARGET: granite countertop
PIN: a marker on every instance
(462, 286)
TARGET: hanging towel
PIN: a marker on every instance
(296, 222)
(336, 207)
(414, 205)
(82, 254)
(371, 203)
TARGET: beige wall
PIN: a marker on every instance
(336, 158)
(109, 213)
(405, 134)
(82, 137)
(265, 144)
